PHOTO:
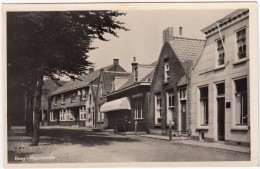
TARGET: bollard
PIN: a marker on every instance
(170, 130)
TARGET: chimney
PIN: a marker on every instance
(116, 62)
(167, 34)
(135, 70)
(180, 31)
(90, 70)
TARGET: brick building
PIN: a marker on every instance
(170, 87)
(127, 105)
(74, 103)
(220, 83)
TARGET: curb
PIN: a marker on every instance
(181, 143)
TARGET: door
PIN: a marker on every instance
(183, 116)
(221, 119)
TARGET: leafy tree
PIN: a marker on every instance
(53, 44)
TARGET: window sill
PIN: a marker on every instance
(219, 67)
(63, 103)
(84, 99)
(54, 104)
(240, 61)
(202, 128)
(239, 128)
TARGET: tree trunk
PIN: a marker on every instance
(37, 110)
(28, 113)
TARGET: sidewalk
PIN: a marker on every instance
(216, 145)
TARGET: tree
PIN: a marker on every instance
(53, 44)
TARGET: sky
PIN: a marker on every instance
(144, 39)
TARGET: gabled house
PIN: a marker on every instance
(127, 105)
(48, 87)
(220, 83)
(109, 81)
(73, 104)
(170, 87)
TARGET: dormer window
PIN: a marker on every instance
(73, 97)
(241, 44)
(84, 94)
(54, 100)
(62, 98)
(221, 52)
(166, 71)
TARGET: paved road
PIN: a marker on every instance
(67, 145)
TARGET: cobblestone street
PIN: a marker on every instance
(80, 145)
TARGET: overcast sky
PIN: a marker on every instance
(144, 39)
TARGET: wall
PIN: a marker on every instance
(205, 73)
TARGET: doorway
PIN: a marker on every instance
(183, 116)
(221, 119)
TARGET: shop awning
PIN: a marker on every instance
(119, 104)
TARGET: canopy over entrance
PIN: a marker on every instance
(119, 104)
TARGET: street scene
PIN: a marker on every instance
(97, 86)
(63, 145)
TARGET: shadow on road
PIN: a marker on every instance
(85, 138)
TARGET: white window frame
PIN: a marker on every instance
(220, 50)
(84, 94)
(55, 100)
(82, 113)
(183, 91)
(169, 107)
(237, 45)
(52, 117)
(69, 115)
(63, 116)
(166, 71)
(158, 107)
(62, 99)
(138, 102)
(234, 110)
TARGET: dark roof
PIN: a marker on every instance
(110, 75)
(50, 85)
(187, 49)
(154, 63)
(85, 80)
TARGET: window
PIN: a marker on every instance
(138, 108)
(170, 106)
(241, 101)
(63, 115)
(73, 97)
(69, 115)
(79, 92)
(54, 100)
(166, 71)
(135, 74)
(84, 94)
(83, 113)
(241, 44)
(220, 89)
(62, 98)
(182, 93)
(221, 52)
(158, 104)
(204, 112)
(53, 116)
(90, 99)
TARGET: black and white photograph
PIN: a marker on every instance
(132, 83)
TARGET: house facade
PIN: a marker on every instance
(109, 81)
(127, 105)
(220, 83)
(74, 103)
(170, 88)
